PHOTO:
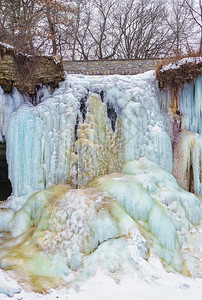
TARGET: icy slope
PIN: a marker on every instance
(59, 233)
(152, 197)
(58, 228)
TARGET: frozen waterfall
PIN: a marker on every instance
(76, 135)
(90, 167)
(51, 142)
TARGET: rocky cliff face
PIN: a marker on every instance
(26, 72)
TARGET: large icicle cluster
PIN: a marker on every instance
(190, 106)
(39, 141)
(183, 111)
(59, 139)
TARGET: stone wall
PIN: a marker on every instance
(106, 67)
(27, 72)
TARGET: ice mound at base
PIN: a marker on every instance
(165, 212)
(63, 234)
(57, 227)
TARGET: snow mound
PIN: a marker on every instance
(8, 286)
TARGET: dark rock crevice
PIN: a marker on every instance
(5, 184)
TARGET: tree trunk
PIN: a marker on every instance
(76, 29)
(52, 31)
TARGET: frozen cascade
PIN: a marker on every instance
(146, 119)
(183, 115)
(99, 182)
(43, 136)
(39, 143)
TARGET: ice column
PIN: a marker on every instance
(39, 142)
(187, 164)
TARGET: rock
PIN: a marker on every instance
(27, 72)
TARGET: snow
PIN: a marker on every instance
(8, 286)
(153, 284)
(181, 62)
(8, 46)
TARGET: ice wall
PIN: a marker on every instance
(91, 125)
(39, 141)
(182, 109)
(88, 127)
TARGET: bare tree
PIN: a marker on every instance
(180, 28)
(101, 29)
(3, 21)
(97, 35)
(54, 23)
(76, 28)
(141, 24)
(18, 22)
(195, 8)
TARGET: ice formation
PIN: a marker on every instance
(183, 114)
(91, 125)
(56, 230)
(90, 168)
(74, 135)
(187, 165)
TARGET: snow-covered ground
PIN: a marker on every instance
(156, 285)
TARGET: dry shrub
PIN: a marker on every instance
(172, 77)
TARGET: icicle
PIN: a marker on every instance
(98, 149)
(186, 166)
(39, 143)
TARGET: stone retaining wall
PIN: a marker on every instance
(106, 67)
(27, 72)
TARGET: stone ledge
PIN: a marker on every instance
(27, 72)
